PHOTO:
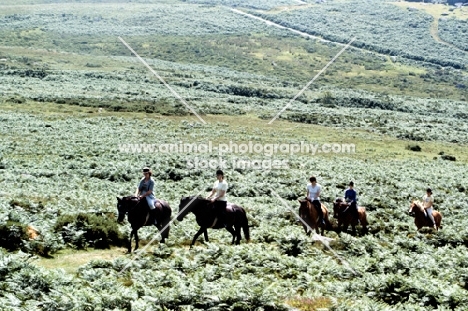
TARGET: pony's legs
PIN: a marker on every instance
(338, 227)
(327, 224)
(306, 227)
(238, 234)
(322, 227)
(165, 232)
(345, 226)
(232, 232)
(129, 248)
(136, 240)
(205, 234)
(364, 229)
(199, 232)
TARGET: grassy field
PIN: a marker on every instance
(368, 145)
(47, 144)
(435, 10)
(71, 260)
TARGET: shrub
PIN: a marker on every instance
(12, 235)
(83, 229)
(448, 157)
(413, 147)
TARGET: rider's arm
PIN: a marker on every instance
(221, 194)
(147, 193)
(318, 193)
(212, 192)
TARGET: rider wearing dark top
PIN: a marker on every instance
(351, 197)
(145, 190)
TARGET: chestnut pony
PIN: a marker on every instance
(309, 214)
(420, 219)
(342, 212)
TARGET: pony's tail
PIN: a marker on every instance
(245, 228)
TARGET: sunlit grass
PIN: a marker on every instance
(70, 260)
(368, 145)
(436, 10)
(310, 304)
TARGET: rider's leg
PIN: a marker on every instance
(220, 210)
(354, 210)
(151, 202)
(431, 217)
(318, 207)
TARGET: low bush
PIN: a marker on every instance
(448, 157)
(83, 230)
(12, 235)
(413, 147)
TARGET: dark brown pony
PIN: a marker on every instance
(309, 214)
(139, 216)
(420, 219)
(205, 215)
(342, 212)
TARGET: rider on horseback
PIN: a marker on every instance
(219, 200)
(351, 198)
(313, 195)
(145, 190)
(428, 201)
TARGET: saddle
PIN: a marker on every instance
(151, 216)
(229, 209)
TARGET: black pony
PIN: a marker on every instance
(206, 218)
(139, 216)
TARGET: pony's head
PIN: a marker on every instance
(338, 206)
(124, 205)
(415, 206)
(303, 206)
(188, 204)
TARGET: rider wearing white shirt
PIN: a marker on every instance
(218, 195)
(313, 195)
(428, 201)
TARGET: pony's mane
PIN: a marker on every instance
(130, 197)
(418, 204)
(199, 197)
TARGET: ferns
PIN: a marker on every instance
(81, 230)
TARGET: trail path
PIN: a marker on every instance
(434, 30)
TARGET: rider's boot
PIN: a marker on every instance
(153, 215)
